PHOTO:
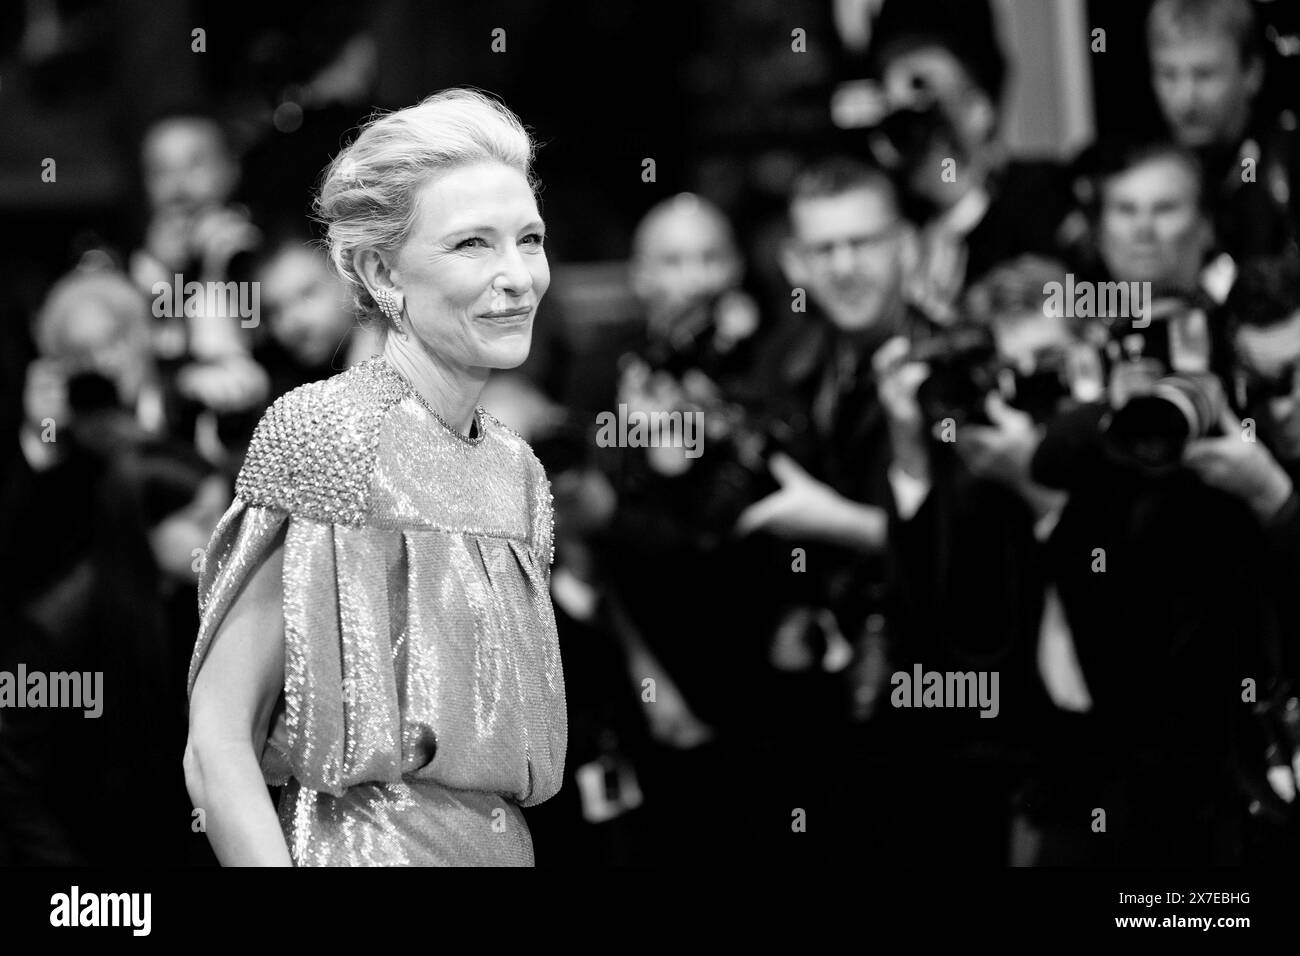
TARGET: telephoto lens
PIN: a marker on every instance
(1151, 429)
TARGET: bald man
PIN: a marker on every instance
(683, 254)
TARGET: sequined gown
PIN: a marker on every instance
(423, 694)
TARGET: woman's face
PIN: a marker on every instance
(181, 536)
(474, 270)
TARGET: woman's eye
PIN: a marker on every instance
(468, 243)
(536, 238)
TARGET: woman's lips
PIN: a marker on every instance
(508, 317)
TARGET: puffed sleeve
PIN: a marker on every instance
(241, 542)
(339, 723)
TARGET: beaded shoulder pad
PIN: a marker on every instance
(313, 452)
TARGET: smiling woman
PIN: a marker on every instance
(376, 609)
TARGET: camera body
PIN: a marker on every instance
(906, 135)
(965, 368)
(739, 435)
(1156, 379)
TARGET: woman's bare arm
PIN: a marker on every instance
(230, 711)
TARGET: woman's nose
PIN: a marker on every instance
(518, 277)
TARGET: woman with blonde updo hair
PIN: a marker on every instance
(377, 633)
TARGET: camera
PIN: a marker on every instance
(907, 123)
(740, 433)
(965, 368)
(735, 473)
(91, 392)
(1150, 426)
(1162, 394)
(906, 135)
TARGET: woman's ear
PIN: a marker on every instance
(374, 266)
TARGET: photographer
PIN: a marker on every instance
(819, 538)
(666, 581)
(196, 234)
(1263, 315)
(1208, 70)
(1162, 579)
(1257, 461)
(942, 75)
(965, 413)
(657, 540)
(96, 385)
(848, 251)
(190, 173)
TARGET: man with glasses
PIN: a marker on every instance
(846, 256)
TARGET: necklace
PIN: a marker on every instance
(479, 432)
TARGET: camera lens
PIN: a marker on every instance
(1149, 431)
(1152, 430)
(91, 392)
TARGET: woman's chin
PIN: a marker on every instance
(507, 354)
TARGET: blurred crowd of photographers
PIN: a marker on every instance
(1035, 419)
(1038, 420)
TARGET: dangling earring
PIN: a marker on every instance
(387, 303)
